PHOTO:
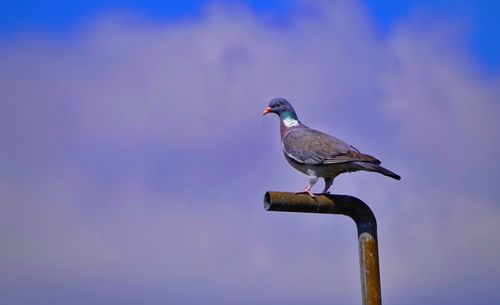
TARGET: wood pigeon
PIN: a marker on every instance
(318, 154)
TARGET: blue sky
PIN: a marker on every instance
(134, 155)
(481, 18)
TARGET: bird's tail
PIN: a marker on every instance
(379, 169)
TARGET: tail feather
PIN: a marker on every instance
(379, 169)
(370, 159)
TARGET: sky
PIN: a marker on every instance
(134, 156)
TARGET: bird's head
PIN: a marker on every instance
(280, 106)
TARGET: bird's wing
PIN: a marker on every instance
(309, 146)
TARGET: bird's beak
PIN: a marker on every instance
(267, 110)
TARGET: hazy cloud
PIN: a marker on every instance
(135, 159)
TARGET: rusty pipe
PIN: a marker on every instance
(365, 223)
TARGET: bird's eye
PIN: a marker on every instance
(278, 104)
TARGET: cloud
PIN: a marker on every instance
(136, 160)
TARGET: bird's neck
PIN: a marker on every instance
(289, 119)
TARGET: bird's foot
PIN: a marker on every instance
(306, 192)
(325, 193)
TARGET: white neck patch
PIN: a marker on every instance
(289, 122)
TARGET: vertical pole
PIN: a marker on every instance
(365, 222)
(368, 264)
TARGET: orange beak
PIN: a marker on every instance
(267, 110)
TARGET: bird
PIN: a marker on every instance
(317, 154)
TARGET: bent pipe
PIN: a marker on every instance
(358, 211)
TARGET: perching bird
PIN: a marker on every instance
(318, 154)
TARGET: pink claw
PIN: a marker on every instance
(307, 190)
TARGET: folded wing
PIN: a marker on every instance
(309, 146)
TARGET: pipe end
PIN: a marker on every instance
(267, 201)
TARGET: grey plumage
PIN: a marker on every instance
(318, 154)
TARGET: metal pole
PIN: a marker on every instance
(365, 223)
